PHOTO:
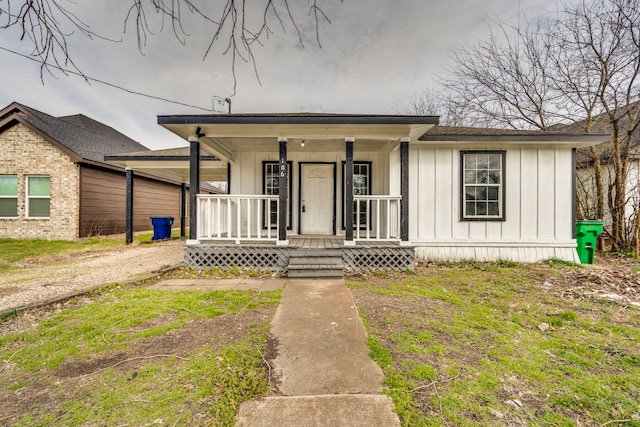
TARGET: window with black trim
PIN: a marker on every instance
(271, 187)
(361, 187)
(482, 182)
(8, 196)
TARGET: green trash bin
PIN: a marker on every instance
(587, 232)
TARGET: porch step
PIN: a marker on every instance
(315, 263)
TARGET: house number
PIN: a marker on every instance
(283, 168)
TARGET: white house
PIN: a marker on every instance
(382, 189)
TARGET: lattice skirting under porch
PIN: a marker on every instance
(378, 258)
(239, 256)
(276, 259)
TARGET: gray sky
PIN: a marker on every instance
(374, 54)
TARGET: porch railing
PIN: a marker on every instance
(377, 217)
(237, 217)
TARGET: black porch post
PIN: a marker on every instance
(194, 186)
(129, 207)
(404, 190)
(183, 209)
(348, 193)
(282, 192)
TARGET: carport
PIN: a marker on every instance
(172, 164)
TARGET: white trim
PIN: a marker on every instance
(192, 242)
(349, 242)
(28, 198)
(350, 139)
(11, 196)
(282, 243)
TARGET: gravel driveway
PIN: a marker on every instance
(79, 271)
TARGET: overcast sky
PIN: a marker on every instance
(374, 54)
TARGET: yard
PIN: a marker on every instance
(460, 344)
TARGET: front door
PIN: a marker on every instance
(316, 198)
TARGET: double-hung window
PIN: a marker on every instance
(38, 196)
(8, 196)
(482, 181)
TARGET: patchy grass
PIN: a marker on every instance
(148, 237)
(138, 356)
(12, 250)
(217, 273)
(485, 344)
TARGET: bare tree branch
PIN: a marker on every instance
(49, 23)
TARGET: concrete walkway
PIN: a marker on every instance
(325, 375)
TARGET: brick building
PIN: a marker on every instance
(55, 183)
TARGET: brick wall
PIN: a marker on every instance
(23, 153)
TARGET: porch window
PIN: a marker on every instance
(271, 187)
(38, 196)
(482, 181)
(8, 196)
(361, 187)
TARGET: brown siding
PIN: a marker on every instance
(102, 206)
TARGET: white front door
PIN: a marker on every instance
(316, 201)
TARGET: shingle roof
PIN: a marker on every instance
(87, 138)
(483, 132)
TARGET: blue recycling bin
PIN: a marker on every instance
(161, 227)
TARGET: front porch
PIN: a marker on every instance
(267, 255)
(341, 178)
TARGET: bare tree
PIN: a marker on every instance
(452, 111)
(582, 67)
(48, 25)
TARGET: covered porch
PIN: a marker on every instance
(301, 174)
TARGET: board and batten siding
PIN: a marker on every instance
(102, 202)
(246, 175)
(538, 212)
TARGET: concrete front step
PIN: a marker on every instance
(311, 271)
(315, 274)
(356, 410)
(314, 263)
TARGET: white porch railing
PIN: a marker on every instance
(237, 217)
(255, 217)
(377, 218)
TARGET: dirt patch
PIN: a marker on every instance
(5, 292)
(613, 277)
(197, 336)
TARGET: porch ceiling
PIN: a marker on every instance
(171, 164)
(223, 135)
(210, 170)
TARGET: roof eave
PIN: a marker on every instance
(328, 119)
(569, 140)
(16, 118)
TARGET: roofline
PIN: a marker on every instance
(538, 137)
(297, 119)
(155, 158)
(8, 121)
